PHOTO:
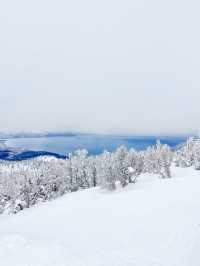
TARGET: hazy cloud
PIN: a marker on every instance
(102, 66)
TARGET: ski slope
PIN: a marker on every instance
(152, 223)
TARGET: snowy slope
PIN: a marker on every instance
(153, 223)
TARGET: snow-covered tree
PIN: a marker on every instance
(158, 160)
(188, 154)
(106, 171)
(24, 184)
(120, 165)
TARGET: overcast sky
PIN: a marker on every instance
(100, 66)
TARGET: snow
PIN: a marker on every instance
(155, 222)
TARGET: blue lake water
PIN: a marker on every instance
(95, 144)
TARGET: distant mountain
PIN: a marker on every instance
(18, 154)
(13, 154)
(36, 134)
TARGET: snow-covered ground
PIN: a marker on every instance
(155, 222)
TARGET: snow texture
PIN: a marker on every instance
(155, 222)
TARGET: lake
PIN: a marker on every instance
(95, 144)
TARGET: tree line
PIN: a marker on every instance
(24, 184)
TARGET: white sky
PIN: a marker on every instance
(100, 66)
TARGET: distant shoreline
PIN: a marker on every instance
(22, 135)
(36, 135)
